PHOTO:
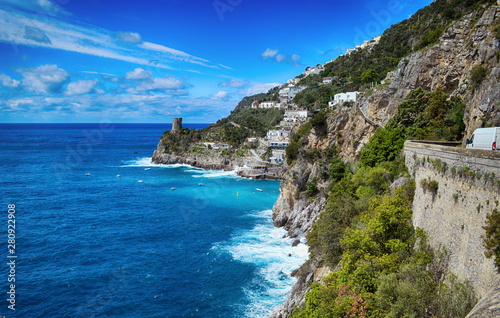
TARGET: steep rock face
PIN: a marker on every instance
(447, 66)
(300, 289)
(488, 306)
(293, 210)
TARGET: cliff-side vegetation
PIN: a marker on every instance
(384, 261)
(419, 31)
(360, 68)
(366, 227)
(492, 237)
(422, 115)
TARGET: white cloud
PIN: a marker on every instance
(44, 79)
(226, 67)
(138, 73)
(126, 108)
(269, 53)
(8, 82)
(167, 85)
(163, 49)
(98, 73)
(272, 54)
(41, 7)
(162, 83)
(128, 37)
(14, 103)
(221, 95)
(259, 88)
(81, 87)
(29, 28)
(295, 57)
(280, 58)
(234, 83)
(35, 34)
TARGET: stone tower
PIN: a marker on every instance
(177, 124)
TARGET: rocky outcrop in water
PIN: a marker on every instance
(211, 160)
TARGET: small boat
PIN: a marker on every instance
(87, 174)
(201, 184)
(147, 169)
(140, 181)
(237, 194)
(172, 189)
(118, 176)
(260, 190)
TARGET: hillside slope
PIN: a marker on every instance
(464, 63)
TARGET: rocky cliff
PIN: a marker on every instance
(448, 65)
(211, 160)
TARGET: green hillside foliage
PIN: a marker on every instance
(422, 115)
(419, 31)
(386, 267)
(247, 101)
(258, 120)
(180, 141)
(243, 122)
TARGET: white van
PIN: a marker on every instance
(484, 138)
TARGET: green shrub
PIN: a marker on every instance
(292, 151)
(492, 237)
(384, 145)
(496, 31)
(477, 74)
(430, 185)
(312, 188)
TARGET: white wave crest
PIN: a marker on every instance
(146, 162)
(200, 173)
(275, 258)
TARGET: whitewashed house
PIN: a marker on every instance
(314, 70)
(270, 104)
(288, 93)
(295, 115)
(328, 80)
(278, 135)
(343, 97)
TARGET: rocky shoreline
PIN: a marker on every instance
(214, 160)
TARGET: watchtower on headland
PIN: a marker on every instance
(177, 124)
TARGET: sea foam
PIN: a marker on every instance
(146, 162)
(265, 247)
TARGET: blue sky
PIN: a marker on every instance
(152, 60)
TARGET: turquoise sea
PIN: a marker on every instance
(100, 231)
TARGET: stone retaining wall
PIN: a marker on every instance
(453, 215)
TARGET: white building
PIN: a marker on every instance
(295, 114)
(270, 104)
(294, 81)
(343, 97)
(279, 144)
(288, 93)
(366, 45)
(328, 80)
(278, 135)
(314, 70)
